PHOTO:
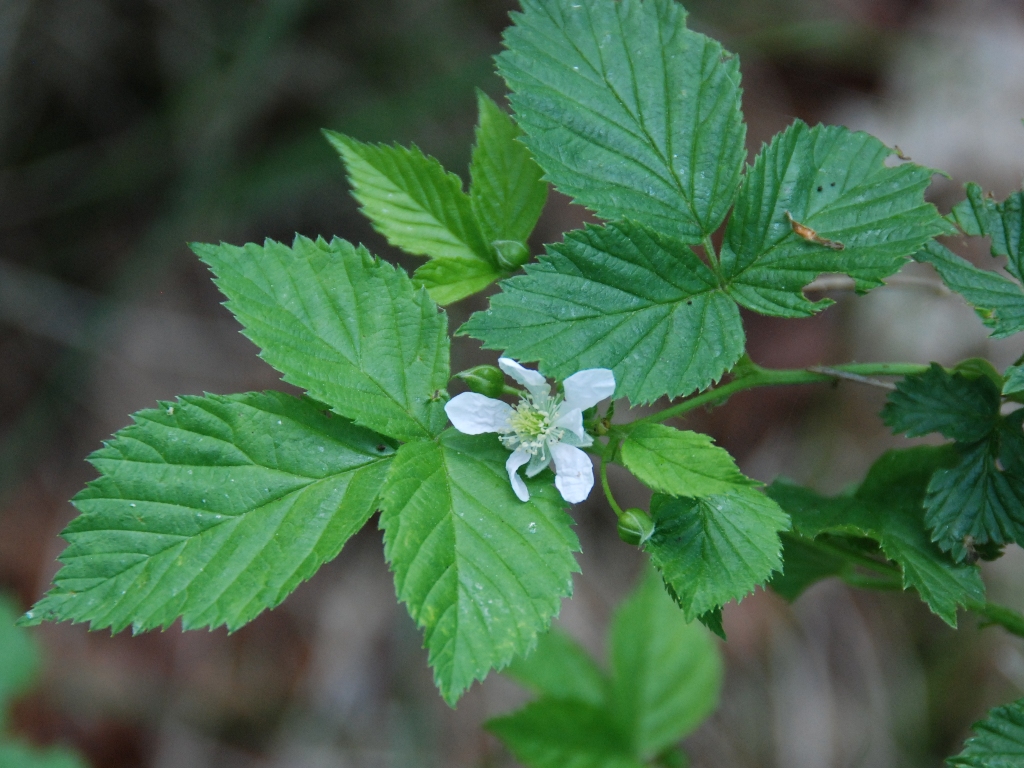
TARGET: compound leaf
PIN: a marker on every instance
(999, 742)
(666, 672)
(680, 463)
(628, 111)
(958, 407)
(831, 184)
(999, 302)
(213, 509)
(506, 189)
(717, 548)
(481, 572)
(621, 297)
(1003, 222)
(559, 668)
(349, 329)
(557, 733)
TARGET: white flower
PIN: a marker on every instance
(542, 428)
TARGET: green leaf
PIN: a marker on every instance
(420, 208)
(887, 508)
(666, 673)
(482, 572)
(506, 189)
(554, 733)
(349, 329)
(1003, 222)
(13, 755)
(213, 509)
(19, 660)
(558, 667)
(999, 302)
(717, 548)
(680, 463)
(938, 400)
(834, 182)
(975, 499)
(1014, 380)
(804, 564)
(999, 742)
(619, 297)
(628, 111)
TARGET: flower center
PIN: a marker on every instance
(530, 426)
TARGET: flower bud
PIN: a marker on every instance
(484, 380)
(635, 526)
(512, 254)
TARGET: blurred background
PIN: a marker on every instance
(131, 127)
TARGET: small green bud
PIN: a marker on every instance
(635, 527)
(512, 254)
(484, 380)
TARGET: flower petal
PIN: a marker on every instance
(570, 419)
(586, 389)
(532, 380)
(474, 414)
(574, 472)
(519, 457)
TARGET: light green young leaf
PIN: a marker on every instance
(832, 181)
(481, 572)
(715, 549)
(559, 733)
(421, 208)
(680, 463)
(213, 509)
(1003, 222)
(958, 407)
(19, 660)
(999, 742)
(999, 302)
(888, 508)
(506, 189)
(349, 329)
(628, 111)
(621, 297)
(559, 668)
(666, 673)
(14, 755)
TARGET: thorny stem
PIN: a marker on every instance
(754, 376)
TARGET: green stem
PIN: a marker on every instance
(755, 376)
(608, 489)
(1007, 618)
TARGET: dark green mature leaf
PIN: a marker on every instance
(975, 498)
(715, 549)
(1014, 380)
(680, 463)
(619, 297)
(941, 401)
(627, 110)
(999, 302)
(887, 508)
(560, 669)
(19, 660)
(349, 329)
(482, 572)
(834, 182)
(666, 673)
(557, 733)
(506, 189)
(999, 742)
(1003, 222)
(13, 755)
(804, 564)
(213, 509)
(421, 208)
